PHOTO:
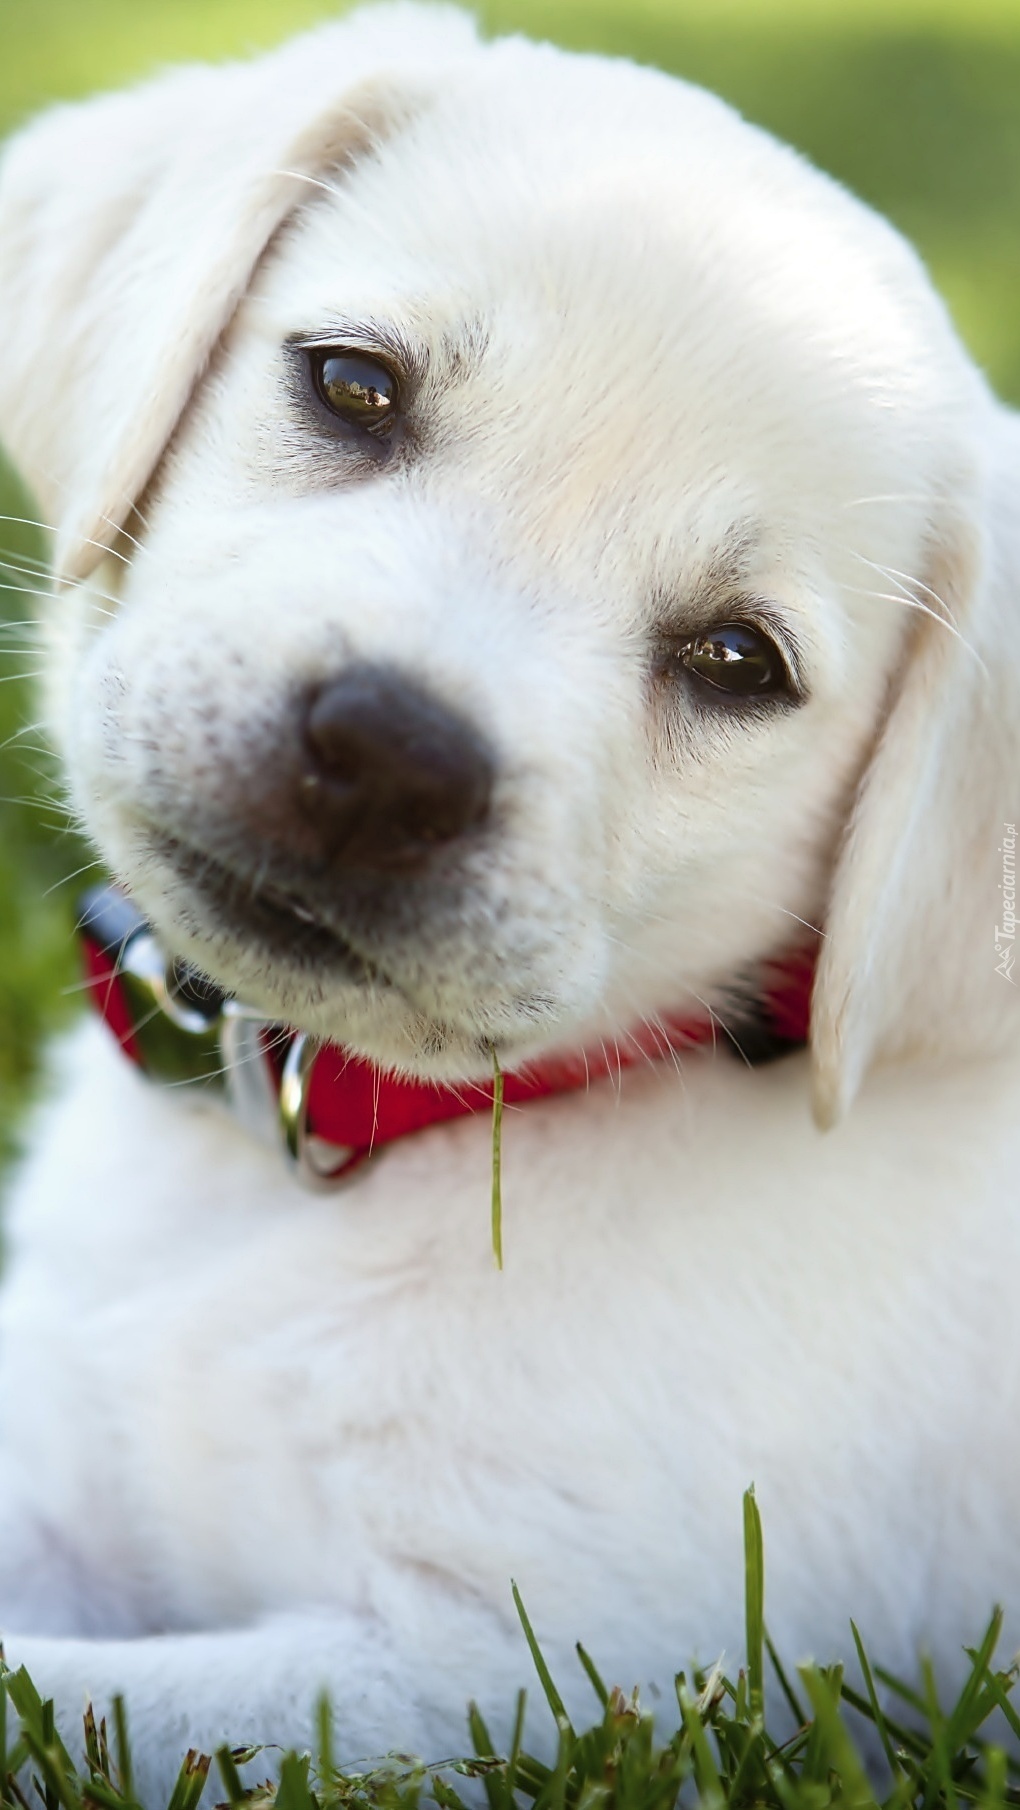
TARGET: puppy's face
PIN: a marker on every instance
(514, 609)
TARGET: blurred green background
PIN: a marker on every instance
(914, 103)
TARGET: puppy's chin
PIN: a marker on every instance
(272, 955)
(377, 1019)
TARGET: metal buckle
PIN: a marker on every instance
(222, 1049)
(317, 1164)
(221, 1045)
(160, 1015)
(250, 1089)
(143, 960)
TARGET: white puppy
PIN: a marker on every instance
(527, 548)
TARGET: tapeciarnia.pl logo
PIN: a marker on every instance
(1005, 933)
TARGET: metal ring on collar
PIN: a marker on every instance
(317, 1164)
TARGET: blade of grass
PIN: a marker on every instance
(445, 1795)
(17, 1795)
(93, 1757)
(797, 1709)
(901, 1690)
(940, 1777)
(961, 1724)
(879, 1720)
(124, 1768)
(754, 1604)
(483, 1746)
(293, 1791)
(706, 1772)
(751, 1764)
(840, 1754)
(558, 1780)
(497, 1161)
(228, 1772)
(593, 1676)
(552, 1695)
(4, 1763)
(907, 1737)
(532, 1775)
(994, 1686)
(515, 1745)
(38, 1736)
(190, 1781)
(49, 1729)
(327, 1758)
(996, 1782)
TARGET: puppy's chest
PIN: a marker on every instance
(291, 1393)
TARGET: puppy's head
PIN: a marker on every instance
(526, 552)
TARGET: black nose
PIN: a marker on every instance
(390, 771)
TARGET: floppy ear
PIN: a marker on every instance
(920, 934)
(129, 229)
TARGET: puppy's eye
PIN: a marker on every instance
(361, 390)
(737, 658)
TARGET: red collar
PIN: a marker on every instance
(331, 1107)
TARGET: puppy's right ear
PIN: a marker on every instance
(130, 226)
(914, 964)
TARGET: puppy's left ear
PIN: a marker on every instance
(918, 957)
(130, 226)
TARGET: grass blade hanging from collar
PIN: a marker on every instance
(497, 1161)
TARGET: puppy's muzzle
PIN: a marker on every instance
(347, 824)
(389, 773)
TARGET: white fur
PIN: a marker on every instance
(257, 1442)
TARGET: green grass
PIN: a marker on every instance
(875, 1745)
(37, 962)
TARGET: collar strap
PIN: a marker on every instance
(330, 1108)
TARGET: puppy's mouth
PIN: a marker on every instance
(265, 915)
(278, 927)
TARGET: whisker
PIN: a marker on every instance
(816, 929)
(314, 182)
(658, 917)
(24, 590)
(85, 868)
(908, 585)
(34, 803)
(668, 1049)
(48, 595)
(892, 572)
(26, 729)
(892, 496)
(914, 603)
(18, 556)
(273, 1042)
(119, 528)
(11, 562)
(26, 521)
